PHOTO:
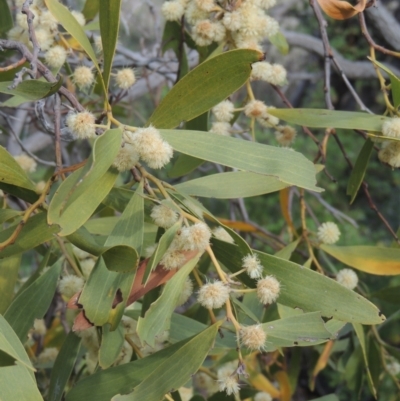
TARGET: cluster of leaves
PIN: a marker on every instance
(93, 210)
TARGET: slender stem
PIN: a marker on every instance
(70, 260)
(13, 237)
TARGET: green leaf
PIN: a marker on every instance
(318, 118)
(286, 252)
(31, 89)
(87, 242)
(71, 25)
(358, 328)
(369, 259)
(11, 345)
(21, 193)
(6, 21)
(301, 330)
(184, 165)
(280, 42)
(394, 81)
(158, 317)
(38, 296)
(12, 173)
(18, 384)
(98, 295)
(90, 9)
(164, 243)
(103, 385)
(80, 211)
(9, 214)
(204, 87)
(63, 366)
(300, 288)
(183, 327)
(173, 37)
(130, 227)
(8, 278)
(388, 294)
(109, 27)
(111, 345)
(176, 370)
(81, 193)
(290, 167)
(358, 172)
(121, 259)
(230, 185)
(36, 231)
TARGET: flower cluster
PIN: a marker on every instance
(145, 144)
(328, 233)
(347, 278)
(46, 31)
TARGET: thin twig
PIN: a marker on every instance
(329, 56)
(369, 39)
(14, 65)
(57, 131)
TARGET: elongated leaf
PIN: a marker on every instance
(394, 82)
(183, 327)
(230, 185)
(129, 229)
(17, 383)
(176, 370)
(158, 317)
(79, 211)
(90, 9)
(12, 173)
(358, 328)
(121, 259)
(204, 87)
(109, 27)
(111, 344)
(71, 25)
(184, 163)
(105, 149)
(6, 21)
(87, 242)
(63, 366)
(173, 37)
(300, 288)
(27, 195)
(370, 259)
(388, 294)
(289, 167)
(286, 252)
(280, 42)
(99, 293)
(9, 214)
(38, 296)
(300, 330)
(165, 241)
(330, 118)
(358, 173)
(8, 278)
(36, 231)
(11, 345)
(103, 385)
(32, 89)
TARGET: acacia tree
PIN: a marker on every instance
(130, 287)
